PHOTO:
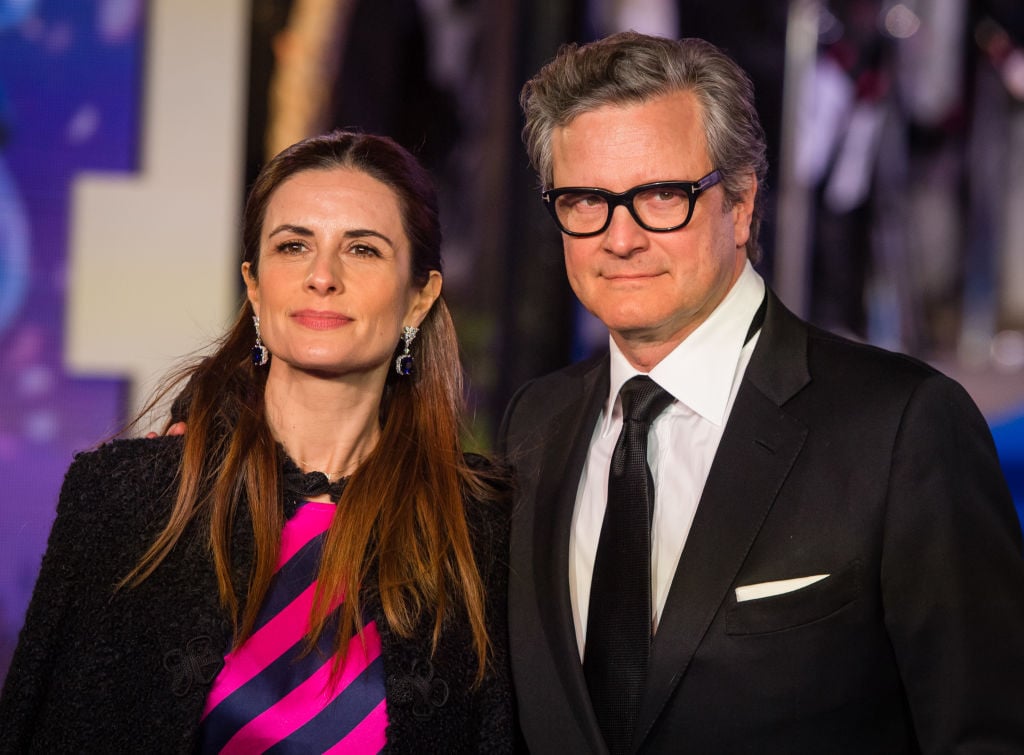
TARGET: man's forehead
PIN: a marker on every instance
(656, 140)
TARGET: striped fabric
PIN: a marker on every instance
(271, 698)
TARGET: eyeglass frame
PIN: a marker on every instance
(693, 189)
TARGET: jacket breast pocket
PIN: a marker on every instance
(794, 609)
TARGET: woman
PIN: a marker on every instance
(202, 593)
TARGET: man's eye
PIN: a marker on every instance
(582, 202)
(664, 196)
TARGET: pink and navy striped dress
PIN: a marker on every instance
(269, 697)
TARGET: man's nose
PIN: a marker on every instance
(624, 235)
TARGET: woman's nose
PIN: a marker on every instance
(323, 277)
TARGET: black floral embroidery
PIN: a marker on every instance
(420, 689)
(196, 663)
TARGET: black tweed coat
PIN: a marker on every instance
(124, 671)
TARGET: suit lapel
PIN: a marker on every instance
(757, 451)
(564, 453)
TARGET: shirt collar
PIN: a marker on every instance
(715, 346)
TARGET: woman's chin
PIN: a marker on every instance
(330, 369)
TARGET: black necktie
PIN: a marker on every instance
(619, 617)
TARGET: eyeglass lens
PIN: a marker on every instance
(657, 208)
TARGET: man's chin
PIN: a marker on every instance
(630, 323)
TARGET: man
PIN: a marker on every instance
(827, 558)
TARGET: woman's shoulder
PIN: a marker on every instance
(113, 501)
(128, 456)
(123, 468)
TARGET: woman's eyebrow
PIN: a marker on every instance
(355, 233)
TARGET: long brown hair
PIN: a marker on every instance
(404, 528)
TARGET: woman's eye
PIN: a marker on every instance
(291, 247)
(363, 250)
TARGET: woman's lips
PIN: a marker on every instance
(320, 320)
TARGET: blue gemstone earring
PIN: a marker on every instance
(260, 355)
(404, 362)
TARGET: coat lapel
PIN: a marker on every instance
(760, 444)
(564, 453)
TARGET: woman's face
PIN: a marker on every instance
(334, 284)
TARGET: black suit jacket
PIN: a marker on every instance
(839, 459)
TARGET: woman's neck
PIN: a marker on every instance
(325, 425)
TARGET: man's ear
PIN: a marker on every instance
(743, 212)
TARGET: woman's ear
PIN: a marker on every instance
(252, 290)
(422, 299)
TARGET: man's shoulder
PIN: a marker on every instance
(879, 381)
(828, 350)
(545, 399)
(566, 378)
(798, 360)
(549, 392)
(793, 339)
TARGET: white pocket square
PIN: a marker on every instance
(782, 586)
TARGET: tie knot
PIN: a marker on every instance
(643, 399)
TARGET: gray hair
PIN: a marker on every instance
(630, 68)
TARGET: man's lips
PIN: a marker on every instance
(628, 277)
(320, 320)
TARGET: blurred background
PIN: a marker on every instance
(129, 131)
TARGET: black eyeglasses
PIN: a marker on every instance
(661, 206)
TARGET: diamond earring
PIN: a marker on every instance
(404, 363)
(260, 355)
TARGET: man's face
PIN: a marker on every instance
(650, 289)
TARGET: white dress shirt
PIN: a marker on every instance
(703, 374)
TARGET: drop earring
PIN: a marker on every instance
(404, 362)
(260, 355)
